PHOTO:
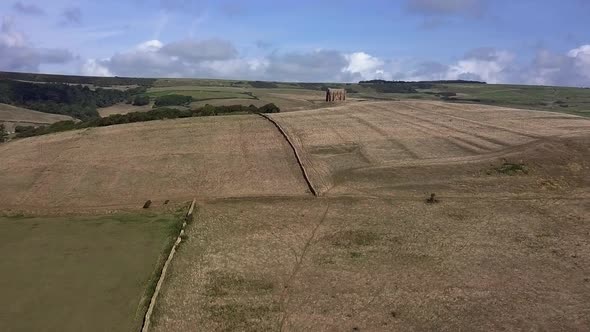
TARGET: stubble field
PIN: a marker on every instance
(123, 166)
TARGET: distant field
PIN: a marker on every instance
(80, 273)
(123, 109)
(557, 99)
(13, 116)
(199, 94)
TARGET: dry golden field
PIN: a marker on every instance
(13, 116)
(123, 166)
(388, 147)
(506, 247)
(366, 264)
(122, 109)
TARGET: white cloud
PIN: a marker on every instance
(149, 46)
(16, 54)
(581, 59)
(572, 68)
(489, 65)
(220, 59)
(8, 36)
(94, 68)
(365, 66)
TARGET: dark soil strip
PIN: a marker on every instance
(299, 161)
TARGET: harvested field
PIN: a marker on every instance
(123, 108)
(388, 147)
(504, 248)
(79, 273)
(14, 116)
(123, 166)
(347, 264)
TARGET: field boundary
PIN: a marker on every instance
(148, 315)
(297, 157)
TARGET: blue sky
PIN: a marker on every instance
(525, 41)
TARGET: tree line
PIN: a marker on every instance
(155, 114)
(97, 81)
(77, 101)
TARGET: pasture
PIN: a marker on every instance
(81, 273)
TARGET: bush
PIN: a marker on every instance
(141, 100)
(263, 85)
(269, 108)
(173, 100)
(3, 133)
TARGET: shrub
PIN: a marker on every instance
(3, 133)
(269, 108)
(141, 100)
(264, 85)
(173, 100)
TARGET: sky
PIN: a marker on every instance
(543, 42)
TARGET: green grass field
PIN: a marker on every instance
(557, 99)
(81, 273)
(200, 94)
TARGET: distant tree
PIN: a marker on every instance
(269, 108)
(74, 100)
(3, 133)
(172, 100)
(141, 100)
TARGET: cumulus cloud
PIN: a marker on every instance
(27, 9)
(365, 66)
(217, 58)
(485, 64)
(93, 67)
(446, 7)
(186, 58)
(572, 68)
(17, 55)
